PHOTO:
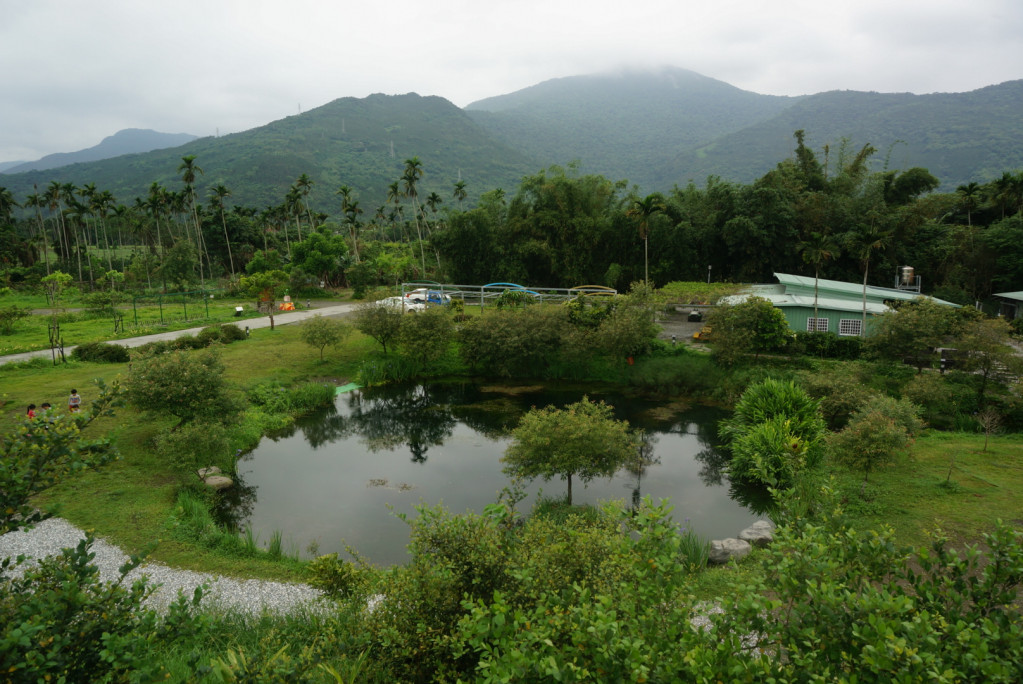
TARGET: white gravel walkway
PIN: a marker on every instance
(250, 596)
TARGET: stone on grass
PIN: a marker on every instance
(218, 481)
(206, 472)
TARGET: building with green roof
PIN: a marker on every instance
(839, 305)
(1010, 304)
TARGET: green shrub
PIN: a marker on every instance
(828, 345)
(681, 372)
(61, 623)
(825, 602)
(941, 398)
(271, 397)
(9, 315)
(336, 577)
(840, 390)
(310, 395)
(210, 335)
(101, 352)
(187, 385)
(869, 441)
(153, 348)
(229, 332)
(775, 433)
(187, 342)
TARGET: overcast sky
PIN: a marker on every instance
(76, 71)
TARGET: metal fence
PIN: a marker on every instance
(484, 295)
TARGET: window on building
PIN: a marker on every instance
(816, 325)
(850, 327)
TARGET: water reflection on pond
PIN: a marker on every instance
(338, 475)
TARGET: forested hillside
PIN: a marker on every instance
(958, 137)
(652, 129)
(359, 142)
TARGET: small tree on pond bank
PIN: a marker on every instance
(319, 332)
(583, 439)
(188, 385)
(754, 325)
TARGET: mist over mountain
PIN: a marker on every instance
(654, 129)
(127, 141)
(630, 124)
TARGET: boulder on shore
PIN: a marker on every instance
(759, 534)
(218, 481)
(724, 550)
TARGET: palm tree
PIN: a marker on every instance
(7, 205)
(37, 201)
(217, 195)
(155, 204)
(410, 178)
(188, 170)
(350, 209)
(643, 209)
(304, 185)
(68, 192)
(100, 204)
(460, 193)
(53, 195)
(87, 192)
(869, 239)
(816, 249)
(970, 196)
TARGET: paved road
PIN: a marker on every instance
(280, 318)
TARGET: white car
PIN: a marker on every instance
(403, 304)
(428, 296)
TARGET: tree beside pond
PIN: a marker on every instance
(188, 385)
(583, 439)
(382, 323)
(320, 332)
(752, 326)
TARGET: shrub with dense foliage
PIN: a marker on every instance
(59, 622)
(775, 434)
(188, 385)
(101, 352)
(753, 326)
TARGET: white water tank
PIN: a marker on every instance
(906, 275)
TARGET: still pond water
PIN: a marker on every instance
(340, 475)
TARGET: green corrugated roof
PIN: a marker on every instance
(1010, 295)
(823, 303)
(842, 288)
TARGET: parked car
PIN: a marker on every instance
(403, 304)
(428, 296)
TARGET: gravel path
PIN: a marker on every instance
(250, 596)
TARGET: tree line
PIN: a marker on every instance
(826, 213)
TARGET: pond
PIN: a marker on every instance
(340, 476)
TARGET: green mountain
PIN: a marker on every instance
(958, 137)
(655, 129)
(359, 142)
(627, 125)
(128, 141)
